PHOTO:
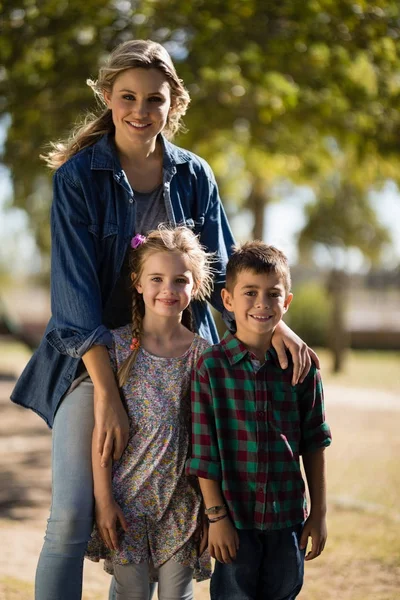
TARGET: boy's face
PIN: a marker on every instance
(258, 301)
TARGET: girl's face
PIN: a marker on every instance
(166, 283)
(140, 101)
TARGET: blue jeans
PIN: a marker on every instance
(268, 566)
(60, 568)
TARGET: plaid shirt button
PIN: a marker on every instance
(260, 415)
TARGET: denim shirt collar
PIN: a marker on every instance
(105, 155)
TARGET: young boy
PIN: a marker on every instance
(249, 428)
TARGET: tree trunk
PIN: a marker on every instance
(257, 203)
(338, 335)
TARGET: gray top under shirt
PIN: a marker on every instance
(150, 212)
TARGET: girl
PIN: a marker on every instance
(156, 505)
(116, 176)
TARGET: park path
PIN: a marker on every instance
(25, 483)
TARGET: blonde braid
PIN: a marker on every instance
(137, 327)
(188, 320)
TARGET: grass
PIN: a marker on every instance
(365, 369)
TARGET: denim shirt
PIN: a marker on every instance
(92, 223)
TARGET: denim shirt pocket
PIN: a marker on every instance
(104, 230)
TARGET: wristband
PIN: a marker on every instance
(213, 510)
(216, 519)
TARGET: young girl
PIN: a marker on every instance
(154, 503)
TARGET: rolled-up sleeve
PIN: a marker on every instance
(315, 431)
(76, 301)
(205, 461)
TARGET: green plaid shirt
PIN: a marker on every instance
(249, 428)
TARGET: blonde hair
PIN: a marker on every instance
(165, 239)
(143, 54)
(258, 257)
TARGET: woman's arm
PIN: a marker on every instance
(217, 237)
(77, 310)
(111, 419)
(76, 299)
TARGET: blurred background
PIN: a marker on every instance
(296, 107)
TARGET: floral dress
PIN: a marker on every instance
(160, 503)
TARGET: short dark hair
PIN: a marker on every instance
(258, 257)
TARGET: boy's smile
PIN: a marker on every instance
(258, 301)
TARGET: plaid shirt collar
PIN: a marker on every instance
(236, 351)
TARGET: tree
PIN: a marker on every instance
(340, 220)
(292, 74)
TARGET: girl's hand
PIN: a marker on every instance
(111, 425)
(223, 540)
(314, 527)
(284, 338)
(202, 534)
(108, 514)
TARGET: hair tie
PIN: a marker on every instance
(135, 344)
(137, 241)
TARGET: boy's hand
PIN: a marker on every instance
(108, 514)
(314, 527)
(223, 540)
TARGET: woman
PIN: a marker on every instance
(118, 175)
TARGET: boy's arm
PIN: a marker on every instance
(315, 526)
(107, 511)
(315, 437)
(223, 539)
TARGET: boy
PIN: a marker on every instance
(249, 427)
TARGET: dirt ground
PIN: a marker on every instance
(25, 448)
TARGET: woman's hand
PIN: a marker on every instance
(112, 425)
(284, 338)
(111, 421)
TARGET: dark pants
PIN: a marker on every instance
(268, 566)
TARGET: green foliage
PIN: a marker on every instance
(309, 313)
(342, 218)
(271, 80)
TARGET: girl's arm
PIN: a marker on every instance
(107, 511)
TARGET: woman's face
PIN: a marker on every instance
(140, 101)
